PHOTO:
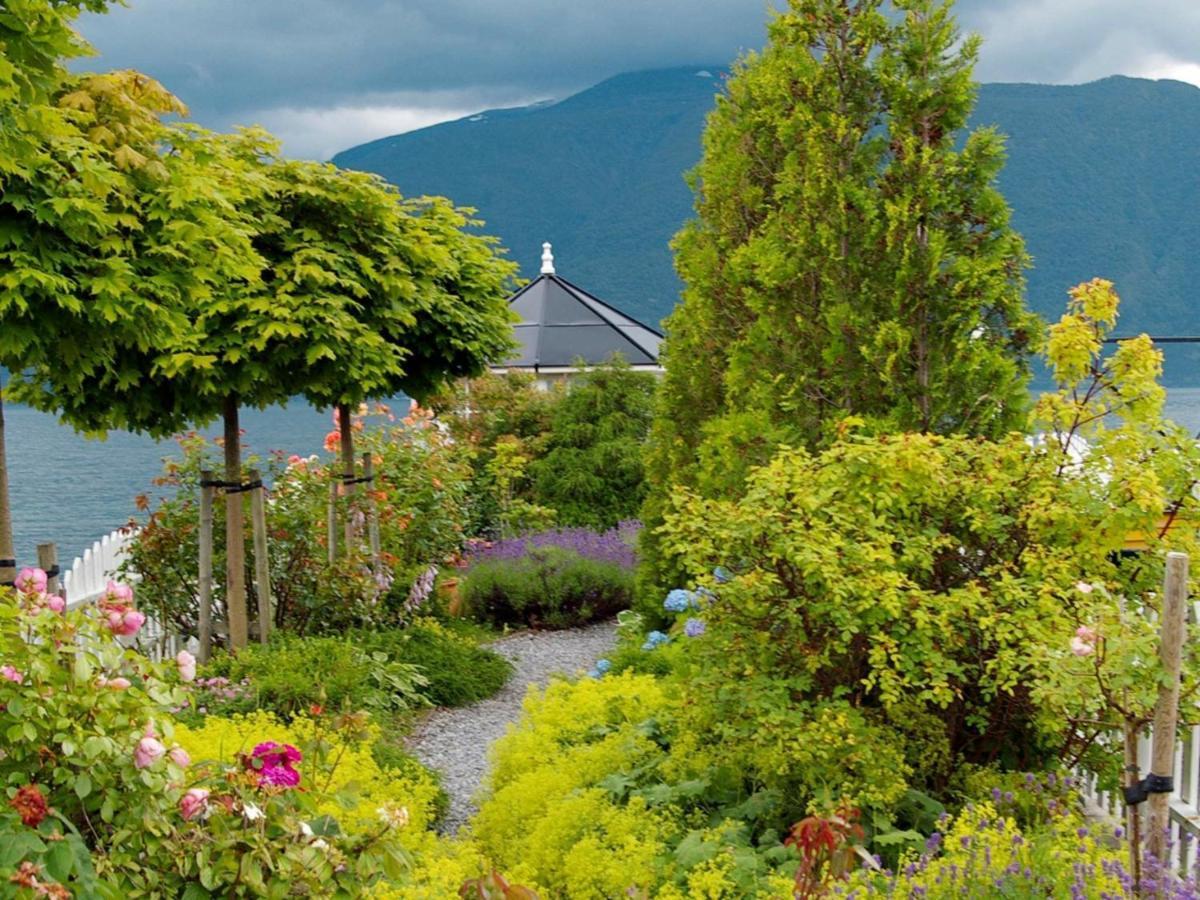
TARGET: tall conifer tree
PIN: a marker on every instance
(851, 257)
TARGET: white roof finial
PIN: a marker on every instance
(547, 259)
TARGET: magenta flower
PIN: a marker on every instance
(8, 673)
(56, 603)
(274, 764)
(278, 776)
(180, 757)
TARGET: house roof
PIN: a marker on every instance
(562, 323)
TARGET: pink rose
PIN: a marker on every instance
(121, 592)
(149, 751)
(56, 603)
(187, 665)
(180, 757)
(8, 673)
(193, 803)
(32, 581)
(115, 684)
(1084, 642)
(125, 623)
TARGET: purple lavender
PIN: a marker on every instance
(617, 545)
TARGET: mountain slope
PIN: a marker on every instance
(1102, 179)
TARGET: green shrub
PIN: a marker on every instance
(592, 471)
(291, 674)
(549, 587)
(458, 672)
(392, 670)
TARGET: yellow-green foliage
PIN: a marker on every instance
(552, 821)
(546, 823)
(352, 785)
(986, 855)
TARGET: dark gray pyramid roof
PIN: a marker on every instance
(561, 323)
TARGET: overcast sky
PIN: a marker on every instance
(325, 75)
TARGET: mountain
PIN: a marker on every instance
(1102, 178)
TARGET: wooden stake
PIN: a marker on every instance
(8, 562)
(372, 514)
(1166, 710)
(205, 579)
(235, 533)
(331, 521)
(346, 427)
(262, 568)
(47, 555)
(1133, 821)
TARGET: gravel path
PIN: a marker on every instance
(456, 741)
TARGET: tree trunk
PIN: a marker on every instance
(349, 490)
(8, 562)
(235, 536)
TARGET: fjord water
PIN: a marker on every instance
(72, 490)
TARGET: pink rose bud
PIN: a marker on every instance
(149, 751)
(116, 684)
(56, 603)
(1084, 633)
(32, 581)
(1081, 647)
(8, 673)
(193, 803)
(187, 665)
(180, 757)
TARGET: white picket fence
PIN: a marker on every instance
(1185, 801)
(87, 581)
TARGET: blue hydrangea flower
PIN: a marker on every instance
(655, 639)
(722, 575)
(677, 601)
(603, 665)
(595, 674)
(694, 627)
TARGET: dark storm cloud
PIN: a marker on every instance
(234, 59)
(329, 73)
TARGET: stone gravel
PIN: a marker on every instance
(455, 742)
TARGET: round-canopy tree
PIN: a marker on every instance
(458, 319)
(851, 256)
(98, 225)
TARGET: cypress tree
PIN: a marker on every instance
(851, 260)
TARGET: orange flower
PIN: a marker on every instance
(30, 804)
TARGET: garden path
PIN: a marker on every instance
(455, 742)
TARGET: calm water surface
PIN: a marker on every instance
(72, 490)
